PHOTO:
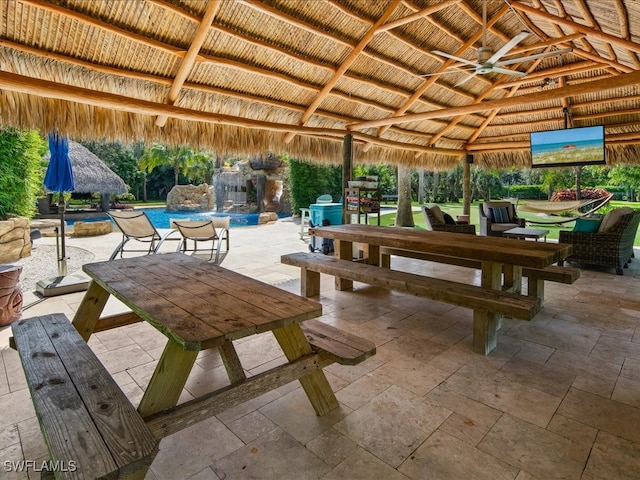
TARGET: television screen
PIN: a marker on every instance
(568, 147)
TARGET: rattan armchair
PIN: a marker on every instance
(491, 225)
(436, 222)
(612, 247)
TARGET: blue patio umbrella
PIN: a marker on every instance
(59, 178)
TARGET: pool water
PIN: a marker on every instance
(160, 217)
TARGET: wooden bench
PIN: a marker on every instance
(389, 198)
(536, 276)
(470, 296)
(90, 427)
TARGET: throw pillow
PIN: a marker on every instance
(587, 225)
(437, 213)
(499, 215)
(448, 219)
(612, 217)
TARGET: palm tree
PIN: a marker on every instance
(181, 158)
(404, 214)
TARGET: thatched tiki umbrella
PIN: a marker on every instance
(92, 175)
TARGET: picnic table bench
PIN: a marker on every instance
(499, 257)
(89, 426)
(536, 276)
(480, 299)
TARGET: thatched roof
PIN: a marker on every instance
(90, 174)
(295, 76)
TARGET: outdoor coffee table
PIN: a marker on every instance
(524, 233)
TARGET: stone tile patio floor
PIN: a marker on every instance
(558, 398)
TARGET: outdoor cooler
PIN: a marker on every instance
(326, 211)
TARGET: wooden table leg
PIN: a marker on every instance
(294, 345)
(89, 310)
(486, 324)
(372, 254)
(344, 251)
(512, 278)
(168, 379)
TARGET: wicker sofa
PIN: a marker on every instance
(611, 245)
(492, 226)
(435, 219)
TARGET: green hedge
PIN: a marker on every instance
(21, 172)
(309, 181)
(525, 192)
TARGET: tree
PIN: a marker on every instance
(628, 177)
(180, 158)
(404, 214)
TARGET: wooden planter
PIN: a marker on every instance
(10, 294)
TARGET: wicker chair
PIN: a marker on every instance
(612, 247)
(436, 222)
(492, 226)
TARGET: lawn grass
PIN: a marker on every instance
(388, 218)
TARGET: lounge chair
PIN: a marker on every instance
(438, 221)
(137, 226)
(213, 232)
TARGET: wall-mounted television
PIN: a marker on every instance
(568, 147)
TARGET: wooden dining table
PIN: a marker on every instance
(198, 306)
(501, 259)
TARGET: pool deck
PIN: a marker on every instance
(558, 398)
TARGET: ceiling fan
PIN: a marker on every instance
(489, 62)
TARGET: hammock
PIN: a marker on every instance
(555, 208)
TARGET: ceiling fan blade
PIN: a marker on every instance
(506, 71)
(453, 57)
(457, 70)
(508, 46)
(533, 57)
(466, 79)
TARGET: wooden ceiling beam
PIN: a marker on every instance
(624, 30)
(589, 31)
(345, 66)
(429, 81)
(81, 17)
(209, 89)
(189, 60)
(621, 81)
(416, 16)
(47, 89)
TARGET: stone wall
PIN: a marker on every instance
(192, 198)
(15, 239)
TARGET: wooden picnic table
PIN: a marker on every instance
(495, 253)
(197, 306)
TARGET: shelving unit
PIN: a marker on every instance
(362, 202)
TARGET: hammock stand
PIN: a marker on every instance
(549, 207)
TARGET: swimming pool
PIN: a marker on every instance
(160, 217)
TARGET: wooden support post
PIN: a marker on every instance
(466, 185)
(347, 170)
